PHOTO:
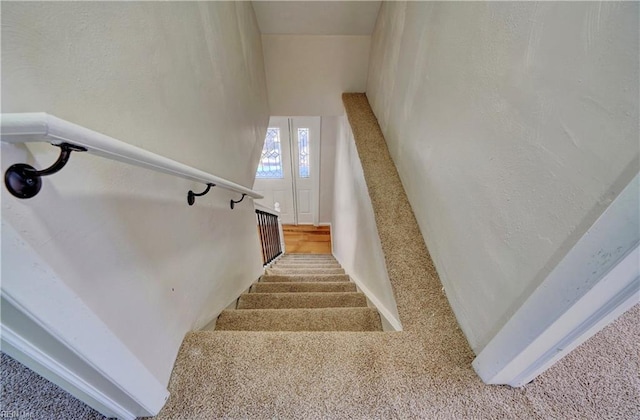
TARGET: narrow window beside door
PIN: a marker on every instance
(303, 152)
(270, 165)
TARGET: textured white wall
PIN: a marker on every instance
(317, 17)
(512, 126)
(356, 243)
(185, 80)
(306, 74)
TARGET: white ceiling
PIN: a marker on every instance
(317, 17)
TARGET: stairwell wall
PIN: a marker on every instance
(306, 74)
(356, 243)
(513, 126)
(184, 80)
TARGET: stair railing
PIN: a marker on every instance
(270, 232)
(24, 181)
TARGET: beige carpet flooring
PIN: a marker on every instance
(286, 287)
(301, 300)
(26, 395)
(422, 372)
(306, 278)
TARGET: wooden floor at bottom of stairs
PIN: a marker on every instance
(307, 239)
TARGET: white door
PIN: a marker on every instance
(289, 169)
(273, 178)
(305, 136)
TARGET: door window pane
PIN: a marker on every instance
(270, 165)
(303, 152)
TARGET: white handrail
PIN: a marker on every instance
(42, 127)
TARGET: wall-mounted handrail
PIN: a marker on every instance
(42, 127)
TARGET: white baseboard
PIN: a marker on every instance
(384, 312)
(596, 281)
(48, 328)
(38, 361)
(606, 301)
(211, 325)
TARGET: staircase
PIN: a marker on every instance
(302, 292)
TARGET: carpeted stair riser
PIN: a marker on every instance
(298, 278)
(307, 263)
(301, 300)
(303, 271)
(291, 287)
(331, 319)
(286, 266)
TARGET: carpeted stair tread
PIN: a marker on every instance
(304, 271)
(328, 319)
(301, 300)
(294, 287)
(307, 258)
(302, 255)
(304, 278)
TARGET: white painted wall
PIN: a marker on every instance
(512, 125)
(328, 140)
(185, 80)
(596, 282)
(307, 74)
(317, 17)
(356, 243)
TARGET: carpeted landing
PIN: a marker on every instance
(26, 395)
(302, 292)
(422, 372)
